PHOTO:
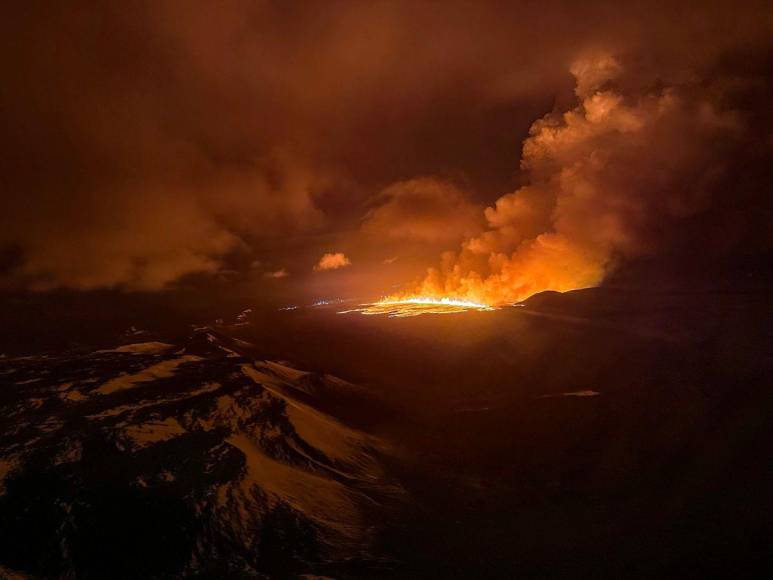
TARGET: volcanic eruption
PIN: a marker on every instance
(231, 234)
(606, 181)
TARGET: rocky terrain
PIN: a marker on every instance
(158, 460)
(605, 433)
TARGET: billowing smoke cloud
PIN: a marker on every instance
(608, 180)
(332, 262)
(423, 209)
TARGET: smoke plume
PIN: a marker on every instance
(607, 181)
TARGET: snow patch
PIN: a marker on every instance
(141, 348)
(323, 500)
(145, 434)
(333, 438)
(158, 371)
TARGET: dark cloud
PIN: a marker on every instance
(146, 141)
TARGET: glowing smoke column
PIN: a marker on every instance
(606, 179)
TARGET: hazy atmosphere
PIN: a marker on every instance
(276, 277)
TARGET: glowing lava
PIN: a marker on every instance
(417, 305)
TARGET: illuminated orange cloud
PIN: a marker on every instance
(276, 274)
(607, 180)
(424, 209)
(332, 261)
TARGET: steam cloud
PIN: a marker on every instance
(607, 180)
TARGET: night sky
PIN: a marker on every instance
(510, 148)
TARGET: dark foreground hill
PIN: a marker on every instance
(605, 433)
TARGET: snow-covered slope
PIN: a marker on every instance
(180, 459)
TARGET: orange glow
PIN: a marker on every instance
(466, 280)
(417, 305)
